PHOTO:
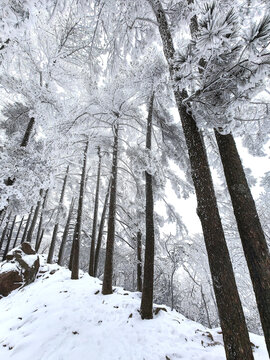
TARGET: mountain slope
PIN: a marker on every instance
(56, 318)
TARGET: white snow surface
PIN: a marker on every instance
(7, 267)
(56, 318)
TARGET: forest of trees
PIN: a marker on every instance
(110, 111)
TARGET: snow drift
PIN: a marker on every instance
(56, 318)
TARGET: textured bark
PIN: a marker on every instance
(95, 218)
(65, 235)
(38, 240)
(108, 269)
(27, 226)
(139, 261)
(9, 238)
(52, 244)
(148, 273)
(2, 216)
(4, 233)
(78, 225)
(56, 226)
(235, 334)
(33, 223)
(28, 132)
(249, 227)
(101, 228)
(71, 255)
(18, 233)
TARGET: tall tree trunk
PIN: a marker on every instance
(234, 329)
(27, 226)
(95, 218)
(71, 255)
(108, 269)
(56, 226)
(52, 244)
(139, 261)
(148, 274)
(28, 132)
(65, 235)
(101, 228)
(9, 238)
(78, 225)
(2, 216)
(33, 223)
(38, 240)
(249, 227)
(206, 309)
(4, 233)
(18, 233)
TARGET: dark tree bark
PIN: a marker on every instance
(65, 235)
(139, 261)
(249, 227)
(101, 228)
(38, 240)
(9, 238)
(95, 218)
(27, 226)
(71, 255)
(33, 223)
(28, 132)
(2, 216)
(108, 269)
(78, 225)
(56, 226)
(148, 273)
(4, 233)
(234, 329)
(18, 233)
(52, 244)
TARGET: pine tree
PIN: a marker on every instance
(95, 218)
(108, 269)
(148, 274)
(75, 258)
(9, 238)
(55, 229)
(101, 228)
(249, 227)
(65, 234)
(230, 310)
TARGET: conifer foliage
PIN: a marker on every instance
(115, 112)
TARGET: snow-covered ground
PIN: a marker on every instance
(56, 318)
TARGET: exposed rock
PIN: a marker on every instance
(10, 281)
(19, 269)
(26, 248)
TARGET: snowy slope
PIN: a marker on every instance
(56, 318)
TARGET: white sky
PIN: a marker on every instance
(187, 208)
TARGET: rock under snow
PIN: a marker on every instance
(19, 269)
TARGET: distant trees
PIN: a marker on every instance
(59, 210)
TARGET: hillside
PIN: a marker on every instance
(56, 318)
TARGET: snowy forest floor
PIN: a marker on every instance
(56, 318)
